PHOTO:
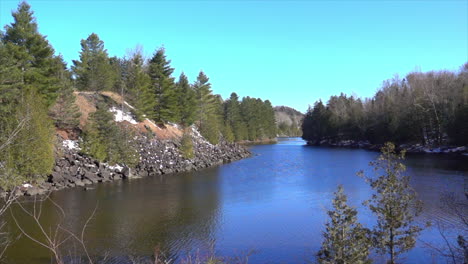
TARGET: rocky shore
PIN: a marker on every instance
(157, 157)
(410, 148)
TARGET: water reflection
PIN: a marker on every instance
(274, 203)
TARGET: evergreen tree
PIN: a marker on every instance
(93, 71)
(31, 154)
(29, 79)
(206, 111)
(32, 54)
(269, 121)
(233, 118)
(138, 84)
(315, 126)
(395, 205)
(186, 101)
(163, 88)
(107, 141)
(97, 133)
(64, 111)
(186, 146)
(345, 240)
(228, 134)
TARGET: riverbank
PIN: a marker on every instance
(258, 142)
(157, 157)
(410, 148)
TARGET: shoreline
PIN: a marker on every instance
(410, 148)
(157, 157)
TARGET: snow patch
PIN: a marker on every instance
(196, 134)
(116, 167)
(174, 125)
(121, 116)
(71, 144)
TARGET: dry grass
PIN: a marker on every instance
(87, 107)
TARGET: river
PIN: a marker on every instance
(272, 205)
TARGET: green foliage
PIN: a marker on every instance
(228, 134)
(186, 101)
(207, 109)
(394, 203)
(163, 88)
(315, 126)
(345, 240)
(30, 75)
(291, 130)
(93, 71)
(421, 108)
(138, 84)
(31, 153)
(186, 146)
(31, 54)
(108, 142)
(259, 119)
(64, 112)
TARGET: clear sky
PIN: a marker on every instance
(290, 52)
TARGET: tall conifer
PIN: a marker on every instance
(163, 88)
(93, 71)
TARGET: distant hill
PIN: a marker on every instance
(288, 121)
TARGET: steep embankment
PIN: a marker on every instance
(288, 121)
(158, 147)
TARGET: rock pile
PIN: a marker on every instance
(157, 157)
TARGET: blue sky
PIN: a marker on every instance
(290, 52)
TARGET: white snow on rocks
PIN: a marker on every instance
(115, 167)
(198, 137)
(121, 116)
(71, 144)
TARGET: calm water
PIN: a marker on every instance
(273, 203)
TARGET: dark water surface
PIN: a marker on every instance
(273, 203)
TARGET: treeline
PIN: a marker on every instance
(150, 87)
(37, 96)
(428, 108)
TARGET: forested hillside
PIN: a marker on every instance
(288, 121)
(423, 108)
(38, 100)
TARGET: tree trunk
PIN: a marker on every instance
(391, 246)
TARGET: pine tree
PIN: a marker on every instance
(32, 152)
(233, 117)
(64, 111)
(186, 146)
(345, 240)
(29, 79)
(32, 54)
(228, 134)
(138, 84)
(93, 71)
(97, 133)
(206, 111)
(107, 141)
(315, 126)
(395, 205)
(163, 88)
(186, 101)
(269, 121)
